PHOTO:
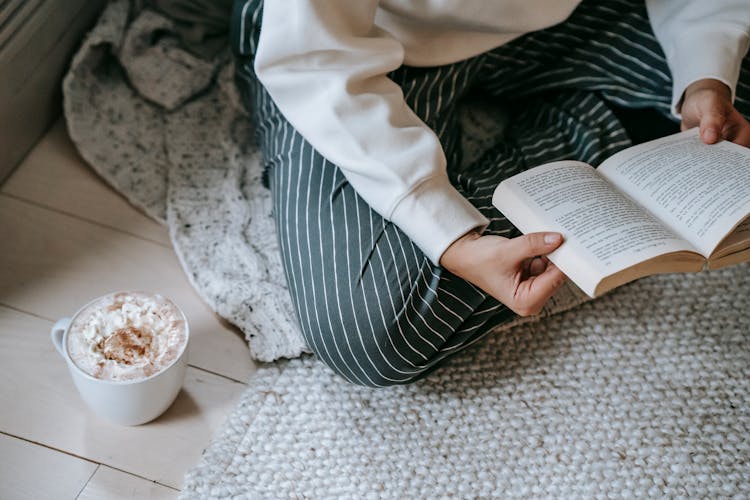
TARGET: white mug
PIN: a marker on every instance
(126, 402)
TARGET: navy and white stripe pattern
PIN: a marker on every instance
(370, 304)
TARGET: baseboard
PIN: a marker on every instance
(37, 40)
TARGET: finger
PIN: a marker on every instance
(712, 123)
(525, 269)
(743, 137)
(534, 244)
(537, 267)
(534, 292)
(737, 130)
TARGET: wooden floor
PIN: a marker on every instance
(66, 237)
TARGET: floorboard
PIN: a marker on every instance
(46, 409)
(54, 175)
(52, 263)
(30, 471)
(108, 483)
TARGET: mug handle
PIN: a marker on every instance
(57, 332)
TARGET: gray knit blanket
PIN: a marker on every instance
(151, 105)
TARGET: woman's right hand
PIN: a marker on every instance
(515, 271)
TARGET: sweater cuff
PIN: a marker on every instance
(696, 56)
(434, 215)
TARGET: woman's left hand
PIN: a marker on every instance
(708, 104)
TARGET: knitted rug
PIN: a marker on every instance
(642, 393)
(151, 105)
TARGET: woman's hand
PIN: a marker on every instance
(514, 271)
(708, 103)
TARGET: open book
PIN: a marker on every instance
(669, 205)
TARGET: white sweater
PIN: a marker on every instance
(324, 63)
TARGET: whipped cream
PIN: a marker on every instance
(127, 336)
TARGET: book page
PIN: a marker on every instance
(700, 191)
(733, 249)
(737, 240)
(741, 233)
(604, 230)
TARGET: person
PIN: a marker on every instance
(393, 253)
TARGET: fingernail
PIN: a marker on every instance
(552, 238)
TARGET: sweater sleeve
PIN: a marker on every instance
(701, 39)
(324, 63)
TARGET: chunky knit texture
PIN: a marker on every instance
(643, 393)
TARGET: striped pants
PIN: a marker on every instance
(370, 305)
